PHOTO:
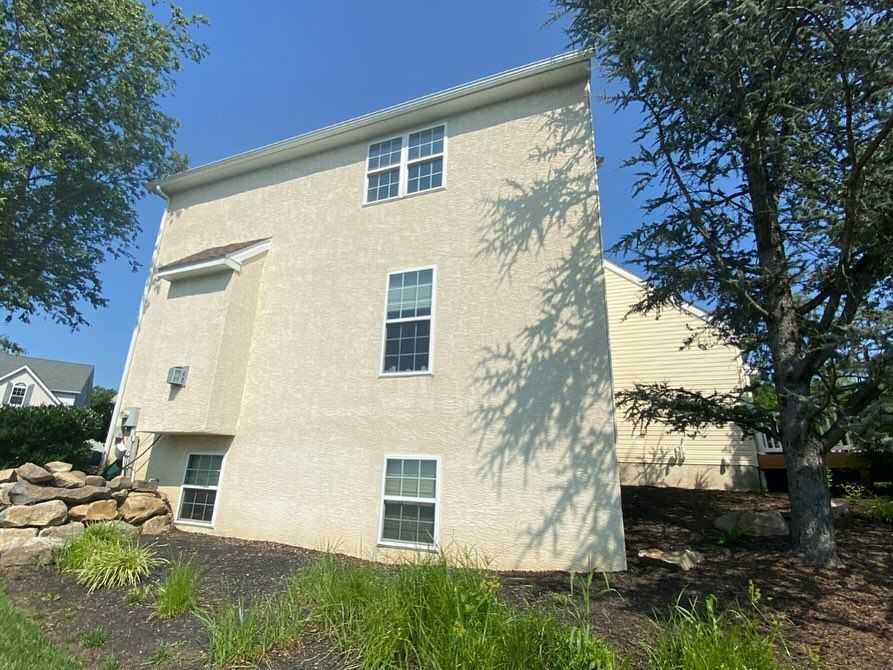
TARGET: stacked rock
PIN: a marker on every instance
(41, 508)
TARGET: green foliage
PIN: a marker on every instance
(104, 556)
(435, 614)
(45, 433)
(180, 591)
(702, 638)
(137, 594)
(111, 663)
(868, 506)
(95, 638)
(83, 130)
(103, 404)
(243, 635)
(23, 645)
(732, 535)
(164, 655)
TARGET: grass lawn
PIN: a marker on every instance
(23, 646)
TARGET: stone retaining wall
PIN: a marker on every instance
(41, 508)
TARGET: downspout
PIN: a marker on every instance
(110, 437)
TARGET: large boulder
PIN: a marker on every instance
(95, 480)
(839, 507)
(24, 493)
(69, 480)
(36, 551)
(33, 473)
(7, 476)
(119, 483)
(52, 513)
(156, 525)
(144, 486)
(101, 510)
(124, 527)
(58, 466)
(11, 536)
(118, 496)
(65, 532)
(682, 559)
(754, 524)
(137, 509)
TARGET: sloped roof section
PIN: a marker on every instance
(57, 375)
(209, 254)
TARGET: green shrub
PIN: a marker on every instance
(702, 638)
(874, 509)
(105, 556)
(45, 433)
(180, 591)
(435, 613)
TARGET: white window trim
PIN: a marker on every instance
(438, 487)
(386, 321)
(17, 385)
(403, 166)
(183, 485)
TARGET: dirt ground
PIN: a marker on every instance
(838, 619)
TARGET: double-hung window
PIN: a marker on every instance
(200, 485)
(409, 502)
(408, 314)
(407, 164)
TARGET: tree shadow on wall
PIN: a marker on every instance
(548, 390)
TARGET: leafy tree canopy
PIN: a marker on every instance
(764, 157)
(81, 131)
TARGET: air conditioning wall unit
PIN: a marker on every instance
(178, 375)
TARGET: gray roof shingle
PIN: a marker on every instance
(57, 375)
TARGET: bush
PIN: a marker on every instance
(180, 591)
(104, 556)
(45, 433)
(701, 638)
(432, 613)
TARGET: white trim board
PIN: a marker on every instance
(232, 261)
(636, 279)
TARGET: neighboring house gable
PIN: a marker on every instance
(647, 349)
(52, 382)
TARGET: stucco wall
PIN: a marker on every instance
(519, 403)
(647, 349)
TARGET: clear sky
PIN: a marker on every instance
(281, 68)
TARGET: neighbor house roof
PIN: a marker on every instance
(537, 76)
(57, 375)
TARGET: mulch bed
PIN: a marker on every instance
(838, 619)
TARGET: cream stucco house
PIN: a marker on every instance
(390, 335)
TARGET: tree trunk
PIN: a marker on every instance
(812, 525)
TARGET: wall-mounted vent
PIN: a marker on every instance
(177, 375)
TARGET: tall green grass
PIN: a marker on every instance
(700, 637)
(179, 593)
(24, 646)
(434, 613)
(104, 556)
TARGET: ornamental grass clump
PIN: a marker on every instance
(105, 556)
(180, 591)
(438, 612)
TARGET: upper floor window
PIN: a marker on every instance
(411, 163)
(17, 397)
(409, 310)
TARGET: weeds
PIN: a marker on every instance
(732, 535)
(164, 655)
(104, 556)
(95, 638)
(180, 591)
(111, 663)
(137, 594)
(701, 638)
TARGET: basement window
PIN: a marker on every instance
(409, 502)
(198, 498)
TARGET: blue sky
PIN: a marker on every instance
(277, 69)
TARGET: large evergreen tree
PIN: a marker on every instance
(80, 133)
(765, 159)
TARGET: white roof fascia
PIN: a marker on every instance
(37, 380)
(636, 279)
(230, 262)
(541, 75)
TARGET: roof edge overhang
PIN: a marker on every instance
(541, 75)
(231, 262)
